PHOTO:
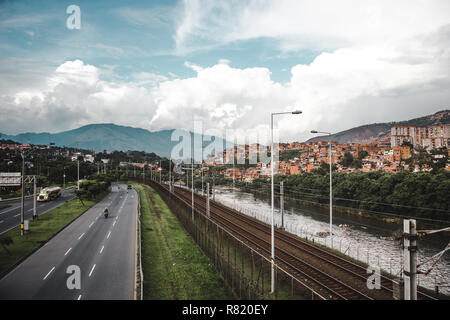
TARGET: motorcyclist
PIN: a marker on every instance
(106, 212)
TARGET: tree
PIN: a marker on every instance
(362, 154)
(347, 159)
(407, 144)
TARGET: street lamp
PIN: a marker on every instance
(272, 198)
(331, 185)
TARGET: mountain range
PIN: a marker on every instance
(378, 131)
(108, 136)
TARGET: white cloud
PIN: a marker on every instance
(338, 90)
(312, 24)
(386, 60)
(224, 61)
(75, 96)
(192, 66)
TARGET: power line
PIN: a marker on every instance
(293, 190)
(389, 214)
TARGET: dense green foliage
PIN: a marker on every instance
(411, 194)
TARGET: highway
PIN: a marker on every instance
(10, 216)
(103, 249)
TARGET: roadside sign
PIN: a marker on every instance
(10, 174)
(10, 179)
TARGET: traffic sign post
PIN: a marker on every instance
(14, 179)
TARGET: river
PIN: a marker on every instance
(356, 236)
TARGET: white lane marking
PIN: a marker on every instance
(108, 235)
(49, 273)
(17, 215)
(101, 250)
(11, 209)
(79, 297)
(91, 224)
(67, 251)
(81, 236)
(92, 270)
(114, 223)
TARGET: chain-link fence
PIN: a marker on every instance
(246, 269)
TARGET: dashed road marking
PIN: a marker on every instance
(91, 224)
(79, 297)
(81, 236)
(49, 273)
(108, 235)
(90, 273)
(11, 209)
(101, 250)
(67, 251)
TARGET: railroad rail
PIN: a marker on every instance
(293, 252)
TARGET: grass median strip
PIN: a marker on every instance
(41, 231)
(174, 267)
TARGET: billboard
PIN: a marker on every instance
(10, 179)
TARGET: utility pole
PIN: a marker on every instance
(214, 190)
(160, 170)
(78, 174)
(282, 204)
(192, 186)
(34, 198)
(410, 259)
(22, 218)
(207, 200)
(331, 194)
(170, 174)
(201, 168)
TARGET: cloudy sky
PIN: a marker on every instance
(163, 64)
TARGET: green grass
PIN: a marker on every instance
(174, 267)
(41, 231)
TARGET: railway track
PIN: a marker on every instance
(293, 252)
(327, 285)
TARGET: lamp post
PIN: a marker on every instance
(331, 183)
(272, 196)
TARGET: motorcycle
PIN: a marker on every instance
(106, 214)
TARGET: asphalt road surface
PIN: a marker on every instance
(103, 249)
(10, 216)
